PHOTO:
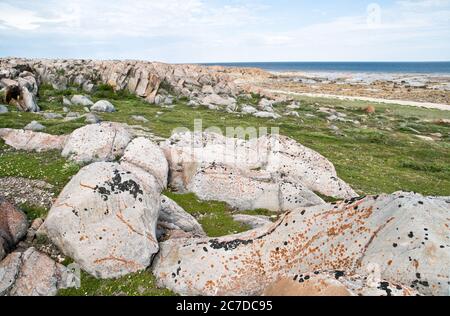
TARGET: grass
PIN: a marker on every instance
(33, 212)
(137, 284)
(215, 217)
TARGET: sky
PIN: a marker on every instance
(191, 31)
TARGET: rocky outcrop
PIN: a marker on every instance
(32, 141)
(33, 274)
(272, 172)
(13, 227)
(173, 217)
(97, 142)
(336, 283)
(105, 219)
(401, 238)
(103, 106)
(144, 154)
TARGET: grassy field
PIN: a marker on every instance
(381, 154)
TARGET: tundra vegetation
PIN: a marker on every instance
(374, 153)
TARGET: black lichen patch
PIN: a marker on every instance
(339, 274)
(117, 185)
(385, 287)
(228, 245)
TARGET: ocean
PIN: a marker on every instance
(351, 67)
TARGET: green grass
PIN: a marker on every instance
(215, 217)
(33, 211)
(137, 284)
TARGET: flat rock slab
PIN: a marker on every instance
(403, 237)
(32, 141)
(105, 219)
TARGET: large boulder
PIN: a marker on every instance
(143, 153)
(173, 217)
(32, 141)
(103, 106)
(13, 227)
(264, 169)
(401, 238)
(105, 219)
(336, 283)
(97, 142)
(21, 97)
(33, 274)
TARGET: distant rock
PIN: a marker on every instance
(52, 116)
(139, 118)
(97, 142)
(400, 238)
(3, 109)
(370, 109)
(105, 219)
(103, 106)
(32, 141)
(267, 115)
(33, 274)
(293, 106)
(217, 100)
(249, 109)
(91, 118)
(81, 100)
(293, 114)
(67, 102)
(34, 126)
(13, 227)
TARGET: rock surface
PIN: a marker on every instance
(3, 109)
(173, 217)
(272, 172)
(105, 219)
(103, 106)
(13, 227)
(34, 126)
(97, 142)
(252, 220)
(334, 284)
(403, 238)
(33, 274)
(81, 100)
(32, 141)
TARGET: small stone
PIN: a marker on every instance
(34, 126)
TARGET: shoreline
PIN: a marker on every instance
(427, 105)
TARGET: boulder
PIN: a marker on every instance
(81, 100)
(267, 115)
(173, 217)
(103, 106)
(91, 118)
(67, 102)
(52, 116)
(33, 274)
(32, 141)
(148, 156)
(337, 283)
(139, 118)
(3, 109)
(105, 219)
(401, 238)
(34, 126)
(217, 100)
(13, 227)
(249, 109)
(97, 142)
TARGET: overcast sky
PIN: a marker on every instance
(227, 30)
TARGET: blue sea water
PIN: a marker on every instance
(353, 67)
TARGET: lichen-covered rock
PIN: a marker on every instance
(103, 106)
(401, 238)
(13, 227)
(105, 219)
(32, 141)
(97, 142)
(173, 217)
(143, 153)
(248, 190)
(33, 274)
(273, 163)
(338, 283)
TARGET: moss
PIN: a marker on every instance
(215, 217)
(137, 284)
(34, 212)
